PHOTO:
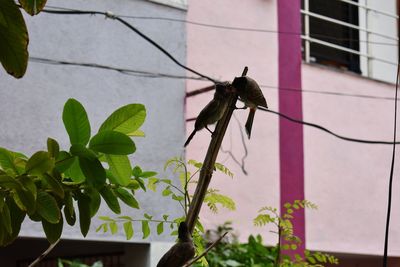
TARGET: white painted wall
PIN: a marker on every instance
(31, 108)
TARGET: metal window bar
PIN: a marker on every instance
(346, 24)
(345, 49)
(370, 8)
(308, 39)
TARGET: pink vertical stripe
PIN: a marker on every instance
(290, 134)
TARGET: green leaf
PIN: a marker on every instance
(95, 200)
(111, 142)
(64, 161)
(120, 168)
(69, 211)
(83, 152)
(147, 216)
(137, 133)
(152, 184)
(13, 39)
(7, 182)
(76, 122)
(47, 207)
(25, 200)
(53, 231)
(136, 171)
(39, 163)
(32, 7)
(106, 218)
(145, 229)
(53, 147)
(111, 199)
(126, 197)
(84, 213)
(126, 119)
(160, 228)
(128, 229)
(113, 227)
(75, 173)
(5, 218)
(55, 185)
(7, 159)
(148, 174)
(93, 171)
(17, 217)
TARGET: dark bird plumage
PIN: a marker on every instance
(181, 252)
(251, 95)
(214, 110)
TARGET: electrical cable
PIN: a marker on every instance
(148, 74)
(389, 205)
(350, 139)
(137, 73)
(243, 29)
(148, 39)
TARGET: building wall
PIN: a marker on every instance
(31, 108)
(348, 181)
(223, 54)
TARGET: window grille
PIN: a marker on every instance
(338, 33)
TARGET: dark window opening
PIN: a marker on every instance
(333, 33)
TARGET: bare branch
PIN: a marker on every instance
(44, 254)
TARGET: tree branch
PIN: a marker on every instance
(205, 251)
(44, 254)
(209, 162)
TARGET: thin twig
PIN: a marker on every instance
(44, 254)
(205, 251)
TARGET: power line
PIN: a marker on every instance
(149, 74)
(232, 28)
(389, 205)
(294, 90)
(125, 71)
(322, 128)
(131, 27)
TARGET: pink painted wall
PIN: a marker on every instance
(348, 181)
(223, 54)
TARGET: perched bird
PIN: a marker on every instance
(251, 95)
(181, 252)
(214, 110)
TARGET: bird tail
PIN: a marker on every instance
(190, 138)
(249, 122)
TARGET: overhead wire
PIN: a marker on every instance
(131, 27)
(389, 204)
(234, 28)
(126, 71)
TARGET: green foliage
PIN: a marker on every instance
(178, 193)
(287, 239)
(13, 39)
(46, 185)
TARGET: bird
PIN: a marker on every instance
(250, 93)
(214, 110)
(181, 252)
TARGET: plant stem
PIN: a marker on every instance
(44, 254)
(209, 162)
(205, 251)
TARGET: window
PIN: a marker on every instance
(357, 35)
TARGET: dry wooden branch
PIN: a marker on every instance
(205, 251)
(209, 162)
(44, 254)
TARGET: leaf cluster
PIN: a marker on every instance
(14, 36)
(46, 185)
